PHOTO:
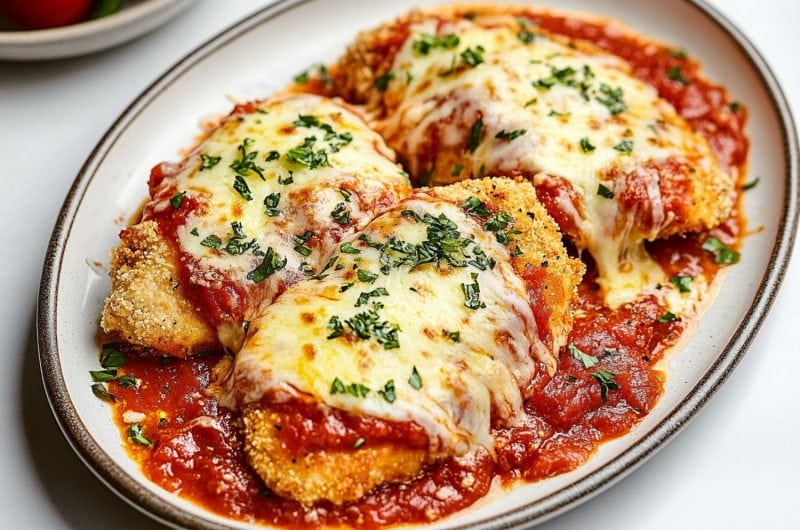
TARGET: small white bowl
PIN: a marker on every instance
(90, 36)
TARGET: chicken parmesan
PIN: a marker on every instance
(421, 318)
(411, 350)
(253, 209)
(467, 92)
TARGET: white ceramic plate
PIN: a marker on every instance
(263, 53)
(94, 35)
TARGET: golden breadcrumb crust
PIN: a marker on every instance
(146, 306)
(335, 475)
(540, 242)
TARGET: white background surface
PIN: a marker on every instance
(737, 466)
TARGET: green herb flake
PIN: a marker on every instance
(388, 392)
(472, 294)
(212, 241)
(668, 317)
(271, 202)
(723, 254)
(240, 185)
(100, 391)
(475, 206)
(678, 54)
(587, 360)
(752, 184)
(364, 297)
(606, 380)
(272, 155)
(676, 74)
(586, 145)
(136, 435)
(195, 232)
(382, 81)
(112, 357)
(604, 192)
(526, 36)
(366, 276)
(473, 57)
(735, 106)
(348, 248)
(271, 263)
(128, 381)
(427, 42)
(475, 135)
(341, 214)
(415, 380)
(301, 78)
(304, 154)
(209, 161)
(335, 326)
(345, 194)
(457, 169)
(455, 336)
(512, 135)
(682, 283)
(625, 147)
(177, 199)
(103, 376)
(612, 99)
(245, 163)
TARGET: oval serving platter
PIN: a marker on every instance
(261, 54)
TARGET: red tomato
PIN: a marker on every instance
(40, 14)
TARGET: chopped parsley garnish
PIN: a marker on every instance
(246, 161)
(557, 114)
(472, 293)
(734, 106)
(457, 169)
(382, 81)
(301, 78)
(100, 391)
(475, 206)
(723, 254)
(473, 57)
(668, 317)
(341, 214)
(112, 357)
(677, 54)
(300, 243)
(604, 192)
(136, 434)
(475, 135)
(526, 36)
(752, 184)
(272, 155)
(195, 232)
(240, 185)
(128, 381)
(212, 241)
(271, 263)
(388, 391)
(367, 325)
(209, 161)
(366, 276)
(415, 380)
(625, 146)
(364, 297)
(612, 100)
(354, 389)
(177, 199)
(345, 194)
(498, 221)
(683, 283)
(304, 154)
(675, 74)
(335, 326)
(511, 135)
(345, 286)
(286, 181)
(271, 202)
(428, 42)
(586, 145)
(103, 376)
(455, 336)
(235, 245)
(587, 360)
(606, 380)
(348, 248)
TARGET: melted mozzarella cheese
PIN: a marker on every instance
(560, 101)
(249, 180)
(471, 362)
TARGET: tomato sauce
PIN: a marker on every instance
(605, 382)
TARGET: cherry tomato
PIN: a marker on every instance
(40, 14)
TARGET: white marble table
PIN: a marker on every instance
(737, 466)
